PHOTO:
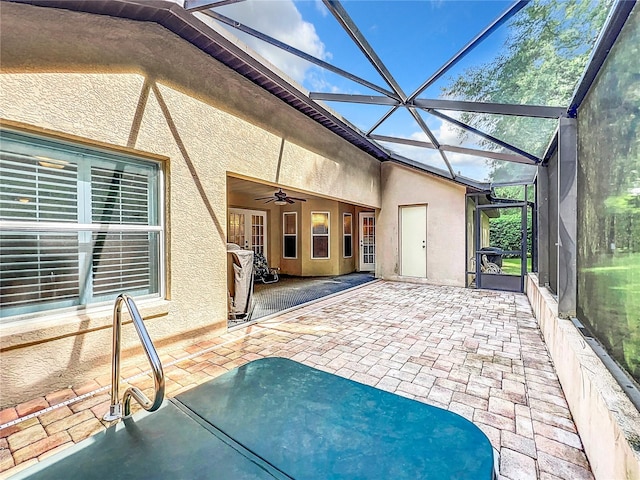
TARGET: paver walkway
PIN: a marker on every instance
(476, 353)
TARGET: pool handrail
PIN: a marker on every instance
(116, 407)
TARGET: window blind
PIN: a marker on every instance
(38, 188)
(77, 225)
(121, 262)
(118, 196)
(38, 267)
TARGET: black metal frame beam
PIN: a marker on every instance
(542, 220)
(567, 217)
(199, 5)
(484, 135)
(403, 141)
(411, 103)
(518, 183)
(508, 157)
(506, 15)
(421, 123)
(348, 98)
(613, 25)
(510, 204)
(298, 53)
(537, 111)
(382, 119)
(343, 18)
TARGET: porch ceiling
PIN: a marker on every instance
(258, 190)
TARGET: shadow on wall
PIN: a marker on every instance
(185, 155)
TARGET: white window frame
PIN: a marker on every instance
(285, 235)
(345, 235)
(30, 145)
(328, 235)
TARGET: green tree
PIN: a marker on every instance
(608, 243)
(543, 57)
(514, 192)
(506, 232)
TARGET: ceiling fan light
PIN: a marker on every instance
(279, 202)
(47, 162)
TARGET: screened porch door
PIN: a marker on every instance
(248, 228)
(495, 268)
(367, 242)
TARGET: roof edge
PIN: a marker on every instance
(175, 18)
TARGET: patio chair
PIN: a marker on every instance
(489, 267)
(262, 271)
(485, 266)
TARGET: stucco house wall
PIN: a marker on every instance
(445, 202)
(134, 86)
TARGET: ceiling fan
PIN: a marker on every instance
(280, 198)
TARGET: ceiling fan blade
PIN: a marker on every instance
(270, 200)
(298, 199)
(289, 200)
(263, 198)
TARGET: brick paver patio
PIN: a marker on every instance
(476, 353)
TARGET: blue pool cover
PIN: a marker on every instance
(276, 418)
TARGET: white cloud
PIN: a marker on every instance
(317, 82)
(466, 165)
(321, 8)
(447, 134)
(281, 20)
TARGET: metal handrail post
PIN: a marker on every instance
(115, 409)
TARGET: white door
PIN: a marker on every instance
(413, 241)
(367, 242)
(248, 228)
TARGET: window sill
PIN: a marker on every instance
(29, 330)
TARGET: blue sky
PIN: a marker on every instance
(412, 38)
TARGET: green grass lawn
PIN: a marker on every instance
(511, 266)
(609, 301)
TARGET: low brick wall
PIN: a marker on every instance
(608, 423)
